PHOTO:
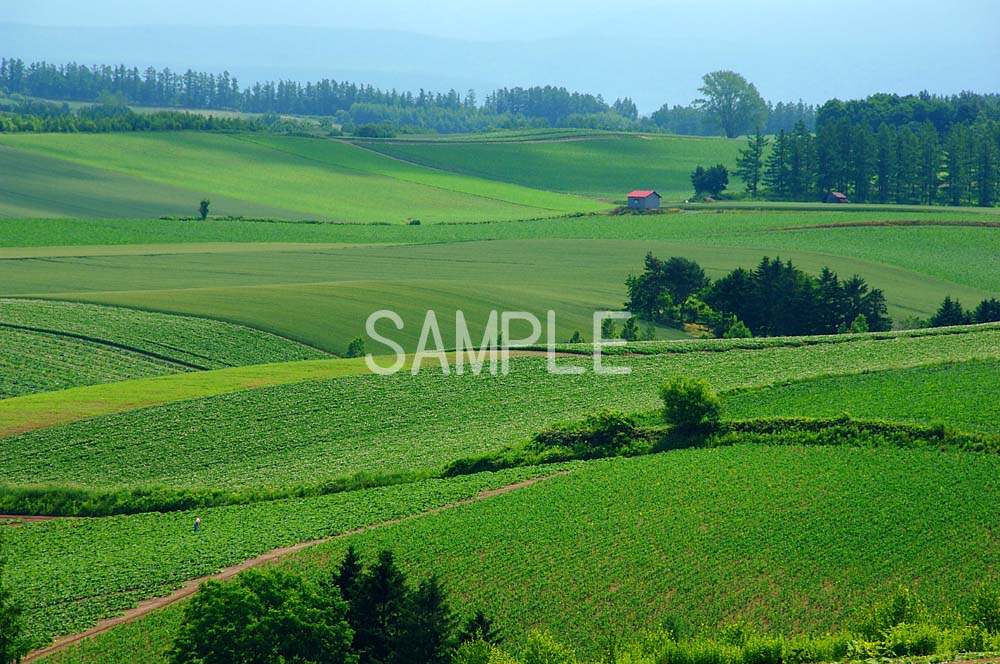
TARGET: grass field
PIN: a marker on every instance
(603, 166)
(904, 395)
(618, 546)
(56, 345)
(789, 539)
(37, 185)
(308, 177)
(73, 572)
(321, 294)
(308, 432)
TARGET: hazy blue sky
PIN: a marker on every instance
(655, 52)
(530, 19)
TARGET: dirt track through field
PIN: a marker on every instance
(190, 587)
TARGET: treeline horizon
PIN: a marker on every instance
(877, 152)
(360, 104)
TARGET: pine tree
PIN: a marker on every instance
(885, 163)
(987, 163)
(428, 630)
(776, 172)
(750, 163)
(480, 628)
(949, 313)
(863, 162)
(379, 611)
(348, 577)
(930, 163)
(958, 147)
(802, 163)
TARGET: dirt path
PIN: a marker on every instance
(191, 587)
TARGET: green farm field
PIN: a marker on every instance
(79, 570)
(309, 432)
(602, 166)
(618, 545)
(303, 282)
(312, 178)
(177, 360)
(902, 395)
(789, 539)
(50, 345)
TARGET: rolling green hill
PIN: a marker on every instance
(603, 166)
(322, 294)
(51, 345)
(309, 177)
(789, 539)
(310, 432)
(903, 395)
(36, 185)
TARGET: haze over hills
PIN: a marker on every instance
(653, 62)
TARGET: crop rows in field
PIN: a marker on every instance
(33, 362)
(72, 572)
(789, 539)
(322, 179)
(603, 166)
(309, 432)
(180, 340)
(963, 395)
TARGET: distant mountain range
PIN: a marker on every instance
(649, 64)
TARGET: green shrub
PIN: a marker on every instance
(356, 348)
(543, 649)
(905, 639)
(689, 403)
(902, 607)
(986, 608)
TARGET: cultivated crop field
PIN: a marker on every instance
(904, 395)
(308, 177)
(603, 166)
(794, 536)
(174, 361)
(290, 284)
(57, 345)
(75, 571)
(305, 433)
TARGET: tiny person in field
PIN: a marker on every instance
(197, 523)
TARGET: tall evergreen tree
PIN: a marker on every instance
(776, 173)
(379, 611)
(929, 166)
(750, 162)
(428, 630)
(862, 162)
(885, 163)
(949, 313)
(960, 163)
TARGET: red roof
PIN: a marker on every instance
(641, 193)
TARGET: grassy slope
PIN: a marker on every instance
(36, 185)
(906, 395)
(37, 362)
(322, 429)
(325, 179)
(603, 166)
(70, 573)
(323, 296)
(791, 539)
(57, 345)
